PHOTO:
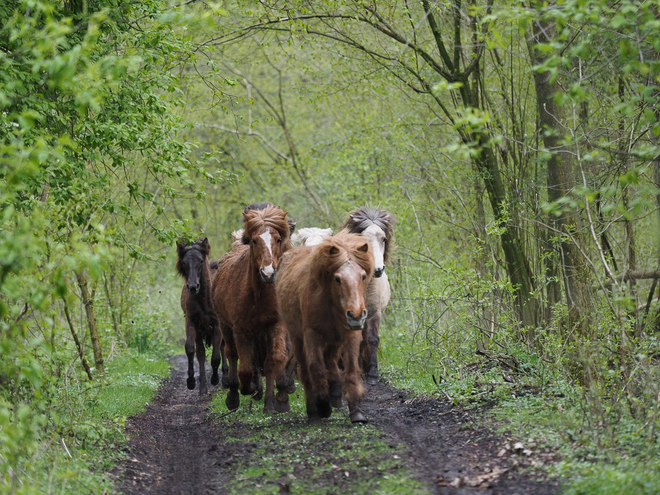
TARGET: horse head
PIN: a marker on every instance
(266, 232)
(349, 266)
(377, 226)
(191, 261)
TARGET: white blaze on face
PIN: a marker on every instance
(377, 238)
(266, 237)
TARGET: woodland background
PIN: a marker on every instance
(515, 141)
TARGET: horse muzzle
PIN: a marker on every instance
(356, 323)
(267, 277)
(379, 272)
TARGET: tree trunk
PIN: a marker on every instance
(88, 302)
(79, 347)
(560, 181)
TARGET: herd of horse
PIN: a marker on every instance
(280, 302)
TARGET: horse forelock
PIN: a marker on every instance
(200, 246)
(325, 262)
(270, 217)
(362, 218)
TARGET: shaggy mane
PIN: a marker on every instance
(325, 263)
(362, 218)
(269, 217)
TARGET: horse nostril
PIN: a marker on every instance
(379, 272)
(364, 313)
(350, 314)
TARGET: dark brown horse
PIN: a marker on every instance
(201, 321)
(322, 297)
(377, 226)
(246, 304)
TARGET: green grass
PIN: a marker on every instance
(86, 434)
(336, 457)
(603, 449)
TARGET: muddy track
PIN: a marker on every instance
(177, 447)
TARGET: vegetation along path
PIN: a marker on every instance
(187, 444)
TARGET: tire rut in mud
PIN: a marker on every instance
(177, 447)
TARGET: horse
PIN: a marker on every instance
(201, 320)
(246, 304)
(310, 236)
(377, 226)
(321, 291)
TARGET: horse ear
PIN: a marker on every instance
(364, 248)
(181, 248)
(206, 247)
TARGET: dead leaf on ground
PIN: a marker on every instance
(484, 479)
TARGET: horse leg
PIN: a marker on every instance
(334, 377)
(217, 347)
(201, 362)
(290, 367)
(190, 353)
(373, 340)
(245, 348)
(257, 382)
(225, 366)
(353, 387)
(310, 400)
(317, 374)
(274, 369)
(233, 400)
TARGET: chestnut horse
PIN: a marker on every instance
(246, 304)
(201, 321)
(377, 226)
(321, 292)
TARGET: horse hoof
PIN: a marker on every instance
(324, 408)
(372, 380)
(291, 387)
(282, 407)
(269, 405)
(225, 382)
(358, 417)
(335, 401)
(190, 382)
(233, 400)
(257, 394)
(202, 391)
(314, 420)
(215, 379)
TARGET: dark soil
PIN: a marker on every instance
(178, 447)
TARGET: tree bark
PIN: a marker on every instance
(88, 302)
(79, 347)
(560, 179)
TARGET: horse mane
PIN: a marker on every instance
(263, 206)
(328, 256)
(362, 218)
(271, 216)
(202, 245)
(303, 234)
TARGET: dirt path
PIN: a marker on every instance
(413, 445)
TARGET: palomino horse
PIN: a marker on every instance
(310, 236)
(321, 292)
(376, 225)
(201, 321)
(246, 304)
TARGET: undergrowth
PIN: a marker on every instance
(83, 434)
(606, 437)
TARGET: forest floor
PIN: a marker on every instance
(411, 445)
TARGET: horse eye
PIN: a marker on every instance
(338, 280)
(364, 277)
(279, 241)
(254, 241)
